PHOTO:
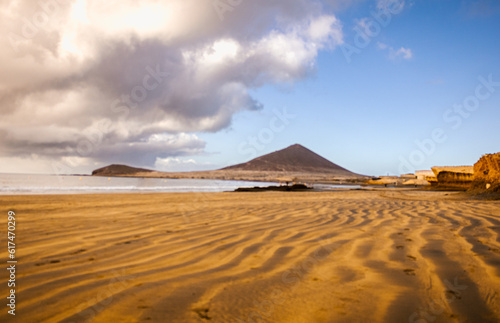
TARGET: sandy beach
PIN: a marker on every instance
(345, 256)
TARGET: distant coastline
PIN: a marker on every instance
(299, 165)
(294, 164)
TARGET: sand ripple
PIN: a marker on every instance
(359, 256)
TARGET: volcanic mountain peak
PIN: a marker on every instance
(296, 161)
(295, 158)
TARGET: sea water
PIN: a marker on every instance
(19, 184)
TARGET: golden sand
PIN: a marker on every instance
(351, 256)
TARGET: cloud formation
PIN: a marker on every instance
(110, 81)
(404, 53)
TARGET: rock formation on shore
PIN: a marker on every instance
(458, 177)
(484, 176)
(455, 179)
(487, 173)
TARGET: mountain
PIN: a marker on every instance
(293, 159)
(119, 170)
(295, 163)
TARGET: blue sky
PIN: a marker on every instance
(85, 84)
(366, 114)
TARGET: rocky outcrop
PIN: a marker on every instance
(457, 177)
(455, 169)
(295, 187)
(487, 173)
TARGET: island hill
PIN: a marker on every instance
(293, 164)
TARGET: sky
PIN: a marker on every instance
(376, 86)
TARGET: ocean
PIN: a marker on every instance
(21, 184)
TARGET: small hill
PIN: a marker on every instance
(119, 170)
(293, 159)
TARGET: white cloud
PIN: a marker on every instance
(404, 53)
(326, 28)
(174, 164)
(118, 73)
